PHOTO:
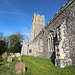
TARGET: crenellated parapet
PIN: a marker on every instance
(37, 25)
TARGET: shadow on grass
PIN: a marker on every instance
(26, 68)
(13, 59)
(0, 64)
(1, 60)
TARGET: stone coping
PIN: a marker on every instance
(61, 10)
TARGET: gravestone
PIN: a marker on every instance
(19, 58)
(7, 65)
(9, 59)
(17, 54)
(20, 68)
(4, 55)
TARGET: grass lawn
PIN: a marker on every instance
(35, 66)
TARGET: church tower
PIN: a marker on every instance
(37, 25)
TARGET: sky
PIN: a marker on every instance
(16, 15)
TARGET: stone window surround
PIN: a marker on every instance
(50, 42)
(58, 33)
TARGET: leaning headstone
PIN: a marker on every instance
(4, 55)
(7, 65)
(12, 55)
(7, 74)
(9, 59)
(17, 54)
(20, 68)
(19, 58)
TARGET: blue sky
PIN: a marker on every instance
(16, 15)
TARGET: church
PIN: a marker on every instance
(56, 40)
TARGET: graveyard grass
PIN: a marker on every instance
(35, 66)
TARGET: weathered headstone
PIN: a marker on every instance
(9, 59)
(17, 54)
(7, 74)
(13, 56)
(19, 58)
(20, 68)
(7, 65)
(4, 55)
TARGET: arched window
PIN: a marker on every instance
(51, 41)
(30, 51)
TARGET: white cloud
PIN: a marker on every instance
(9, 12)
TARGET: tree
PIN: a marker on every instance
(3, 46)
(1, 35)
(15, 41)
(3, 43)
